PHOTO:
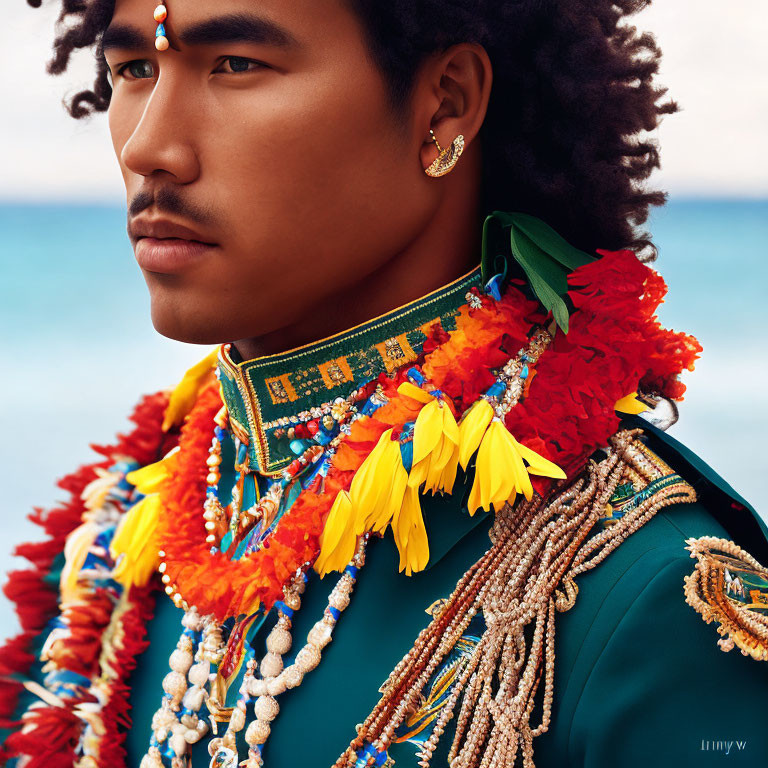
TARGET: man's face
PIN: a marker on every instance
(265, 130)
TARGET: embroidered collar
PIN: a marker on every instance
(267, 395)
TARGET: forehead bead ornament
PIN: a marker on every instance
(161, 40)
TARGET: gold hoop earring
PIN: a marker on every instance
(448, 157)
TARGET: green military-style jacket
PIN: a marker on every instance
(639, 678)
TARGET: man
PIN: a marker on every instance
(308, 185)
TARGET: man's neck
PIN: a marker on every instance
(446, 249)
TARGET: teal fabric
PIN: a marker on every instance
(639, 678)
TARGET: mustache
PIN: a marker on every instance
(168, 200)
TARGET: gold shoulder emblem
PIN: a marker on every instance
(647, 476)
(730, 587)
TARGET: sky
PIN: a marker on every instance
(715, 65)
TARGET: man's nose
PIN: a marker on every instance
(162, 142)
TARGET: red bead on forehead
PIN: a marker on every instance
(161, 40)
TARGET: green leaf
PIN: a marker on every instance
(547, 295)
(549, 269)
(560, 313)
(550, 241)
(545, 257)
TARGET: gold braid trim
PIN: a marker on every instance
(538, 548)
(707, 592)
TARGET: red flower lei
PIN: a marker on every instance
(615, 345)
(51, 733)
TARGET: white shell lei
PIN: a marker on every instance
(191, 683)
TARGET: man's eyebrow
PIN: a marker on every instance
(123, 36)
(237, 28)
(230, 28)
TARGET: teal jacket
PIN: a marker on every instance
(639, 678)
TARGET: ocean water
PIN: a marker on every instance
(79, 348)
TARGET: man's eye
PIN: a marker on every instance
(235, 64)
(140, 69)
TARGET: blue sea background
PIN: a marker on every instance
(79, 348)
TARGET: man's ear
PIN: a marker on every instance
(452, 96)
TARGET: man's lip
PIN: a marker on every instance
(161, 229)
(169, 255)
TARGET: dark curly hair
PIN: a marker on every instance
(573, 93)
